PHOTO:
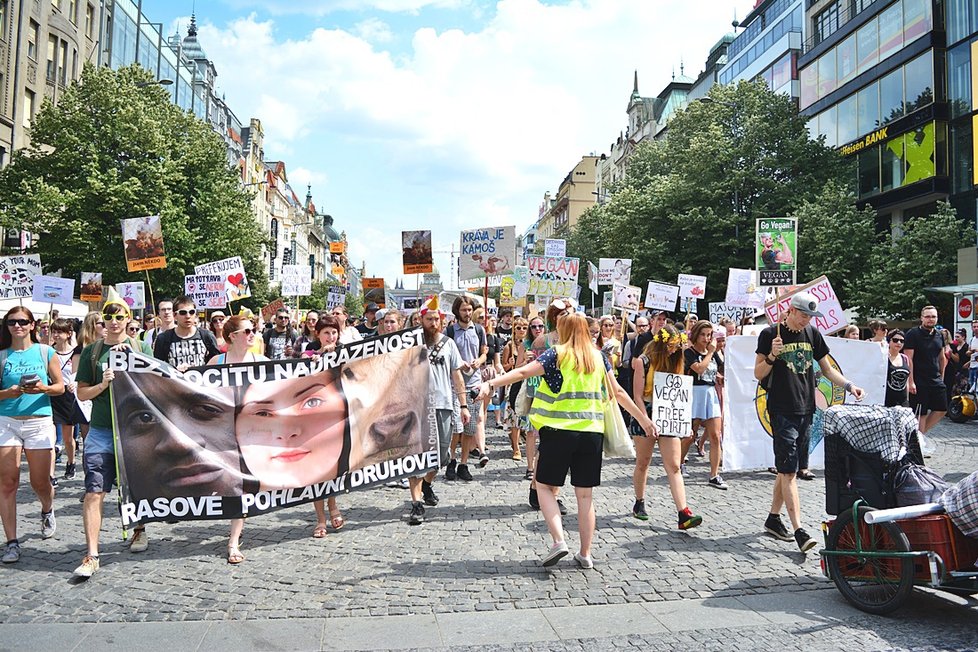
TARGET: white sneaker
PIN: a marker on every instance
(557, 552)
(140, 542)
(48, 525)
(584, 562)
(87, 568)
(717, 483)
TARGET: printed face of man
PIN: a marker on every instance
(291, 431)
(177, 439)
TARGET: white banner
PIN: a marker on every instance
(692, 286)
(672, 404)
(614, 271)
(592, 277)
(336, 296)
(233, 273)
(720, 310)
(54, 289)
(833, 318)
(552, 277)
(296, 280)
(746, 428)
(607, 303)
(743, 290)
(17, 276)
(207, 290)
(627, 297)
(555, 248)
(661, 296)
(486, 252)
(133, 294)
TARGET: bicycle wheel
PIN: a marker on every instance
(876, 585)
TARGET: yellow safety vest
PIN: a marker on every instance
(578, 406)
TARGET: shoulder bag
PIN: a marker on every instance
(617, 442)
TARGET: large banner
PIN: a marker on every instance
(245, 439)
(486, 252)
(552, 277)
(17, 276)
(746, 427)
(232, 271)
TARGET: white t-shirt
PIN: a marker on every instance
(973, 345)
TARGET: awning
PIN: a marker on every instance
(968, 288)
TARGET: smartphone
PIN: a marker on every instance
(29, 380)
(473, 394)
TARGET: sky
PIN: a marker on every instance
(440, 114)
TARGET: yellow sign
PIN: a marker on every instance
(338, 270)
(336, 247)
(861, 144)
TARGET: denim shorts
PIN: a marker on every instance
(99, 472)
(791, 434)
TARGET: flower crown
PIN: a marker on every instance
(664, 336)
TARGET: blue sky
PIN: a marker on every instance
(440, 114)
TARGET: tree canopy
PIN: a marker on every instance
(115, 147)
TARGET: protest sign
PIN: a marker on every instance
(614, 271)
(521, 281)
(743, 290)
(235, 281)
(627, 297)
(592, 277)
(374, 290)
(486, 252)
(143, 241)
(692, 286)
(336, 296)
(296, 280)
(661, 296)
(608, 302)
(134, 294)
(207, 290)
(554, 248)
(53, 289)
(337, 247)
(747, 427)
(91, 286)
(720, 310)
(672, 404)
(416, 252)
(833, 317)
(777, 251)
(506, 299)
(369, 425)
(410, 303)
(552, 277)
(268, 311)
(17, 276)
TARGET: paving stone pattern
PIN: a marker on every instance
(479, 550)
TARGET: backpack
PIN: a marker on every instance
(480, 331)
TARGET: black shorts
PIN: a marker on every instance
(65, 410)
(929, 398)
(569, 450)
(791, 433)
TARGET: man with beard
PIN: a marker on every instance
(99, 461)
(504, 329)
(369, 326)
(924, 348)
(445, 363)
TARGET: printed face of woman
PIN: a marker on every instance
(291, 431)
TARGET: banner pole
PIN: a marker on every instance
(149, 284)
(485, 297)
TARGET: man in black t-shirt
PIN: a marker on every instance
(784, 366)
(924, 347)
(185, 346)
(504, 328)
(369, 326)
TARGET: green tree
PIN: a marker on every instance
(115, 147)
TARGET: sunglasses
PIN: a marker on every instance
(537, 327)
(100, 323)
(246, 331)
(19, 322)
(187, 311)
(897, 340)
(217, 319)
(117, 317)
(521, 328)
(132, 329)
(282, 317)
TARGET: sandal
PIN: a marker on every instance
(337, 522)
(234, 555)
(319, 532)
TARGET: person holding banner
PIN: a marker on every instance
(663, 353)
(567, 411)
(702, 364)
(783, 366)
(93, 378)
(347, 333)
(606, 341)
(29, 376)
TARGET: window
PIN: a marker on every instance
(893, 164)
(56, 4)
(869, 172)
(809, 86)
(847, 120)
(919, 75)
(846, 59)
(961, 18)
(3, 20)
(28, 108)
(891, 30)
(63, 77)
(868, 109)
(917, 19)
(920, 153)
(52, 65)
(962, 157)
(90, 22)
(826, 73)
(782, 72)
(959, 79)
(74, 64)
(891, 97)
(826, 22)
(73, 11)
(867, 45)
(827, 127)
(33, 36)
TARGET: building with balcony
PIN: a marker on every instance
(574, 196)
(889, 84)
(768, 46)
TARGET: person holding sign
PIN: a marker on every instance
(783, 366)
(663, 353)
(567, 410)
(702, 364)
(29, 376)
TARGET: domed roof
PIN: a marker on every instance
(191, 48)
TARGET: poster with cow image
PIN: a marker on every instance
(208, 443)
(17, 276)
(416, 255)
(486, 252)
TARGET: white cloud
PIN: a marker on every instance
(482, 121)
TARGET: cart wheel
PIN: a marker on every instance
(876, 585)
(956, 410)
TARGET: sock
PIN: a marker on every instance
(685, 511)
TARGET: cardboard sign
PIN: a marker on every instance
(614, 271)
(607, 302)
(777, 251)
(336, 296)
(627, 297)
(743, 290)
(296, 280)
(486, 252)
(416, 252)
(207, 290)
(833, 319)
(53, 289)
(134, 294)
(592, 277)
(720, 310)
(521, 282)
(552, 277)
(692, 286)
(672, 404)
(91, 286)
(267, 312)
(661, 296)
(374, 290)
(142, 238)
(337, 247)
(17, 276)
(232, 269)
(555, 248)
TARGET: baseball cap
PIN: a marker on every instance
(806, 303)
(371, 307)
